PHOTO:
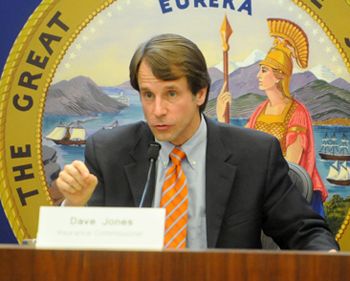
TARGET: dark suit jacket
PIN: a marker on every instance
(247, 186)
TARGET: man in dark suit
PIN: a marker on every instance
(236, 179)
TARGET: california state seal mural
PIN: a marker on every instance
(279, 66)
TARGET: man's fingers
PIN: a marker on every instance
(76, 183)
(71, 179)
(77, 176)
(91, 181)
(65, 187)
(74, 173)
(81, 167)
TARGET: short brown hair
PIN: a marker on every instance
(172, 56)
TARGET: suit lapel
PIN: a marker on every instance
(219, 177)
(136, 170)
(219, 181)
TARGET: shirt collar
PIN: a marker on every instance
(190, 147)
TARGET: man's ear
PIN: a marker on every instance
(201, 95)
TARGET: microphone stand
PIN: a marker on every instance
(153, 152)
(148, 182)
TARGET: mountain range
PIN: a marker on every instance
(79, 96)
(341, 83)
(324, 99)
(244, 80)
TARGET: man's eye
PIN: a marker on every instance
(172, 94)
(147, 95)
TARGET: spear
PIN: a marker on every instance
(226, 31)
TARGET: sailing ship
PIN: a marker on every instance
(334, 149)
(71, 134)
(339, 174)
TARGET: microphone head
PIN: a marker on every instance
(153, 150)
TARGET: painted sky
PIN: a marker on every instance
(104, 48)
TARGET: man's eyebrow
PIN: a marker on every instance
(172, 87)
(144, 89)
(168, 87)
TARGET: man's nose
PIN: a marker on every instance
(159, 107)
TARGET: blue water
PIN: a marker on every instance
(323, 165)
(67, 154)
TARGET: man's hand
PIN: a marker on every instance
(76, 184)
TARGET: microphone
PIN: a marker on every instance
(152, 153)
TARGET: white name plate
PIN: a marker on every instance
(101, 228)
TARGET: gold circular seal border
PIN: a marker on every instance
(313, 13)
(14, 60)
(16, 57)
(306, 6)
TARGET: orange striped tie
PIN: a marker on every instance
(175, 201)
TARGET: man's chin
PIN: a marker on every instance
(163, 139)
(162, 136)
